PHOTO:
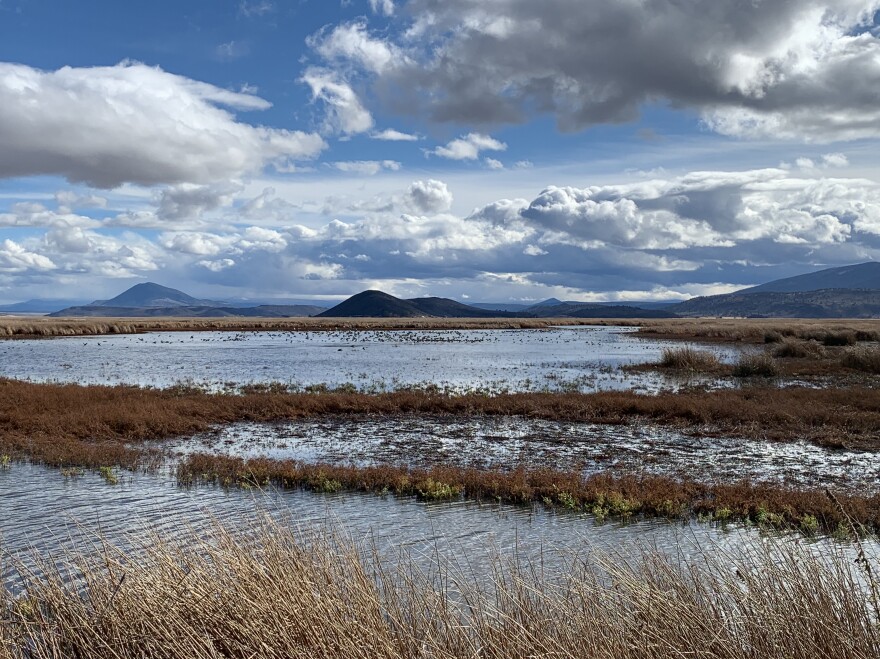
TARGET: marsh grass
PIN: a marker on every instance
(863, 358)
(799, 349)
(66, 425)
(759, 364)
(688, 358)
(604, 495)
(759, 330)
(271, 592)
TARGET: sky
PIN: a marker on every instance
(482, 150)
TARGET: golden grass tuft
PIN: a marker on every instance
(688, 358)
(274, 593)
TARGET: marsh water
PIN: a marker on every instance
(580, 358)
(46, 512)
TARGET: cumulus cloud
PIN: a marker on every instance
(15, 258)
(132, 123)
(351, 41)
(806, 70)
(344, 111)
(468, 147)
(429, 196)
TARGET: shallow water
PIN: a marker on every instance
(508, 442)
(47, 514)
(583, 359)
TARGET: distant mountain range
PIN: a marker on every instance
(376, 304)
(845, 292)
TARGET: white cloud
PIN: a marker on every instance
(429, 196)
(366, 167)
(350, 41)
(132, 123)
(344, 111)
(15, 258)
(384, 7)
(468, 147)
(391, 135)
(491, 163)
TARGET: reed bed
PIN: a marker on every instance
(42, 327)
(619, 496)
(272, 592)
(92, 426)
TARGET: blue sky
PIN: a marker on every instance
(501, 150)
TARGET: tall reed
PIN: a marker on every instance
(274, 593)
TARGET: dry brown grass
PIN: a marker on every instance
(275, 594)
(757, 330)
(92, 426)
(758, 364)
(690, 359)
(603, 495)
(862, 358)
(41, 327)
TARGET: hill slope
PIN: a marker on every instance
(578, 310)
(263, 311)
(859, 276)
(829, 303)
(152, 295)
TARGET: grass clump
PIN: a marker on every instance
(846, 338)
(794, 349)
(688, 358)
(862, 358)
(758, 364)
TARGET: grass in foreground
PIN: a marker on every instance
(603, 495)
(273, 593)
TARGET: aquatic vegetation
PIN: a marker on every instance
(108, 475)
(799, 349)
(5, 461)
(604, 495)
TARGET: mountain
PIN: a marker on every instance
(583, 310)
(153, 295)
(38, 306)
(549, 302)
(151, 300)
(376, 304)
(828, 303)
(198, 311)
(859, 276)
(501, 306)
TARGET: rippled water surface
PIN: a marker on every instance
(583, 358)
(46, 513)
